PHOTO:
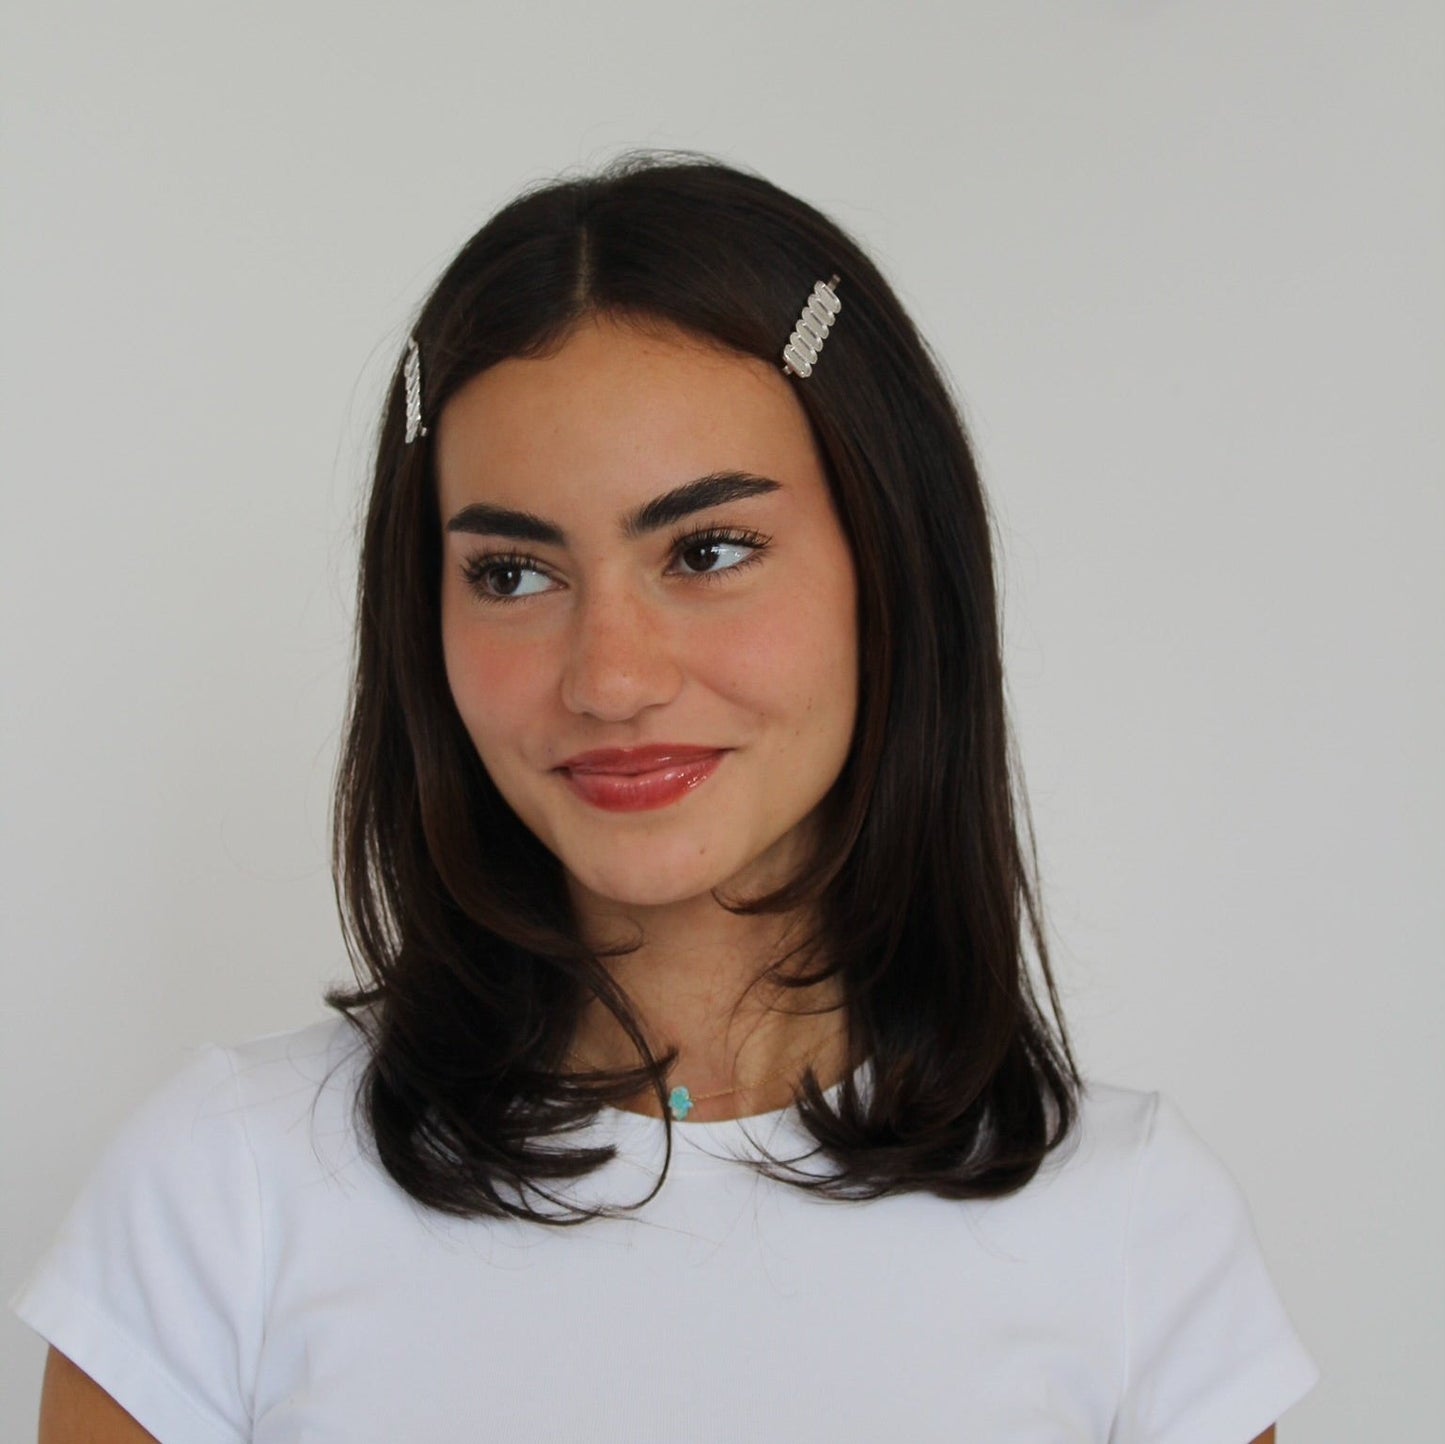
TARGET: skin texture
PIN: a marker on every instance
(619, 642)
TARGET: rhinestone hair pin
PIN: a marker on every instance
(800, 355)
(412, 374)
(820, 310)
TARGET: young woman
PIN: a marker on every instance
(698, 1084)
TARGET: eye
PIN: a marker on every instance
(483, 571)
(714, 540)
(479, 571)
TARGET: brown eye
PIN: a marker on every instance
(707, 545)
(481, 572)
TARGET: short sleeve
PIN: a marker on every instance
(1211, 1356)
(152, 1284)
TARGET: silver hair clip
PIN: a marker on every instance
(412, 373)
(819, 312)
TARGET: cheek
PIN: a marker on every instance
(494, 686)
(794, 661)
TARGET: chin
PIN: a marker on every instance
(647, 890)
(646, 877)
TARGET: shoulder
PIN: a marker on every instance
(295, 1093)
(1114, 1122)
(1137, 1166)
(223, 1128)
(156, 1283)
(1072, 1218)
(1131, 1194)
(1099, 1158)
(1180, 1186)
(315, 1061)
(254, 1091)
(1209, 1349)
(1130, 1140)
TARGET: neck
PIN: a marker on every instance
(728, 1080)
(692, 982)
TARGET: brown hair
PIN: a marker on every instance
(471, 974)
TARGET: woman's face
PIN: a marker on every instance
(601, 638)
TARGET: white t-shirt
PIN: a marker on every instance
(239, 1268)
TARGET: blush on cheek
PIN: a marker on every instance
(490, 681)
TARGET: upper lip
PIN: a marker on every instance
(629, 760)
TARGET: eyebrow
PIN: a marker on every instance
(482, 519)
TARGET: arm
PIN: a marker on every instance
(74, 1409)
(149, 1294)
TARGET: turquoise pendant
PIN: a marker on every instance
(680, 1102)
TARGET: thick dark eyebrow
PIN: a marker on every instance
(482, 519)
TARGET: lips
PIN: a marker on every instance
(630, 761)
(642, 791)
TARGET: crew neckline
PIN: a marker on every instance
(700, 1146)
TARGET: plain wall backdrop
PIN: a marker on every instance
(1183, 262)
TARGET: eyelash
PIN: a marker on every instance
(477, 568)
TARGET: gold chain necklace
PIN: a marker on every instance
(680, 1100)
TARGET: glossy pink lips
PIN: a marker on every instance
(641, 791)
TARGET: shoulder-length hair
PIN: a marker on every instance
(470, 968)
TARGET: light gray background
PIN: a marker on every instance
(1184, 263)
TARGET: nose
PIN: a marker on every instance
(621, 657)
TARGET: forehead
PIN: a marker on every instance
(624, 407)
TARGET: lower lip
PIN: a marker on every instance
(643, 791)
